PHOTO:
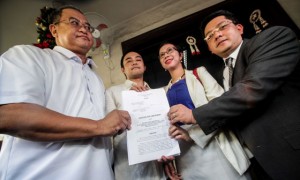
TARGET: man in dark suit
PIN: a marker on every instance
(263, 104)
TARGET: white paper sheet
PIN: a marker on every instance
(148, 138)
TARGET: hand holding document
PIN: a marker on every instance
(148, 138)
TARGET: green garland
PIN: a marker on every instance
(45, 38)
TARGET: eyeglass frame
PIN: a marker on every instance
(77, 24)
(220, 27)
(169, 51)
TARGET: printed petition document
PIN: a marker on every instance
(148, 138)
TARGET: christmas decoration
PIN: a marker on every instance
(45, 38)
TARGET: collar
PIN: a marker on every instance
(66, 52)
(234, 54)
(72, 56)
(91, 62)
(129, 84)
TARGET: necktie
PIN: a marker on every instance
(228, 63)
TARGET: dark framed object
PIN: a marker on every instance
(255, 15)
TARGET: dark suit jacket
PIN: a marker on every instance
(263, 106)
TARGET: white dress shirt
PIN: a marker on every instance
(226, 70)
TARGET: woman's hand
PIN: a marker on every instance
(177, 132)
(170, 167)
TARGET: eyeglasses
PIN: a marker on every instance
(162, 55)
(222, 26)
(77, 24)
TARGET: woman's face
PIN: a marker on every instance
(169, 57)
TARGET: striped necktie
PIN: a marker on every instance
(228, 63)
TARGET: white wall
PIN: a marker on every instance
(16, 25)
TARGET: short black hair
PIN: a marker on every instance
(228, 15)
(56, 15)
(124, 54)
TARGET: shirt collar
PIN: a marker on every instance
(72, 56)
(91, 62)
(129, 84)
(234, 54)
(69, 54)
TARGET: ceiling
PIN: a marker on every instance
(116, 11)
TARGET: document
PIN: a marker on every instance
(148, 138)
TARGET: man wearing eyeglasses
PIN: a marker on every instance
(52, 108)
(262, 105)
